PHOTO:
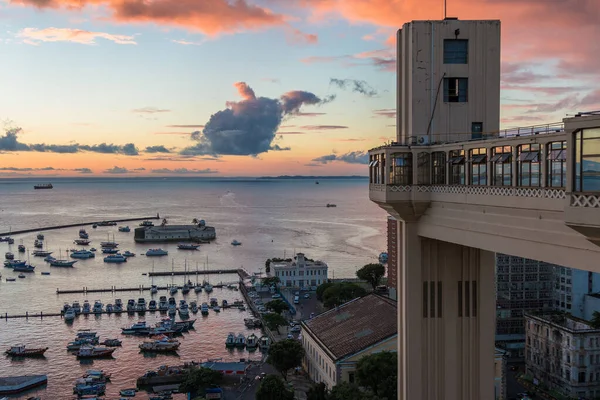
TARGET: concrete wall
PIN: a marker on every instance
(421, 69)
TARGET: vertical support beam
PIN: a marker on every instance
(514, 166)
(415, 167)
(488, 170)
(544, 164)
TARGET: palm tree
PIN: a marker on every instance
(195, 221)
(164, 222)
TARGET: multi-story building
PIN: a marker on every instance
(300, 272)
(571, 287)
(522, 285)
(563, 353)
(392, 249)
(500, 357)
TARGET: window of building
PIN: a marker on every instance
(528, 165)
(557, 164)
(423, 169)
(456, 90)
(456, 51)
(587, 160)
(438, 168)
(401, 169)
(478, 161)
(456, 161)
(501, 166)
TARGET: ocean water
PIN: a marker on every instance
(272, 218)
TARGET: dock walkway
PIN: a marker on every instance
(48, 228)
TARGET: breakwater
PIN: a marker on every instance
(49, 228)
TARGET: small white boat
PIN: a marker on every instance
(69, 315)
(236, 243)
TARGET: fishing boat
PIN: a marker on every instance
(188, 246)
(207, 286)
(45, 273)
(83, 389)
(69, 315)
(89, 351)
(152, 305)
(14, 263)
(9, 256)
(153, 287)
(76, 307)
(141, 305)
(230, 341)
(21, 351)
(82, 242)
(184, 311)
(204, 309)
(109, 250)
(131, 306)
(161, 345)
(22, 248)
(78, 342)
(10, 279)
(128, 254)
(106, 223)
(173, 290)
(41, 253)
(251, 342)
(124, 229)
(194, 307)
(40, 236)
(86, 307)
(240, 341)
(115, 258)
(24, 268)
(118, 307)
(112, 343)
(21, 276)
(109, 308)
(128, 392)
(185, 289)
(146, 223)
(264, 343)
(216, 309)
(162, 303)
(235, 243)
(83, 234)
(82, 254)
(138, 327)
(156, 252)
(97, 307)
(109, 244)
(61, 263)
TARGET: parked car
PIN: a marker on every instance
(307, 296)
(296, 329)
(276, 296)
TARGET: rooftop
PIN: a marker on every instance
(565, 321)
(355, 325)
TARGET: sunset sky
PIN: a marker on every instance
(126, 87)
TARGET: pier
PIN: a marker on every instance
(48, 228)
(199, 272)
(140, 288)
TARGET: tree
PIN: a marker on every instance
(317, 392)
(278, 306)
(268, 265)
(195, 221)
(347, 391)
(322, 288)
(371, 273)
(270, 281)
(378, 372)
(595, 322)
(273, 387)
(273, 321)
(196, 380)
(342, 292)
(285, 355)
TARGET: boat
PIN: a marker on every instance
(188, 246)
(152, 305)
(76, 307)
(236, 243)
(110, 245)
(136, 328)
(214, 301)
(162, 303)
(172, 311)
(194, 307)
(161, 345)
(93, 249)
(230, 341)
(23, 268)
(173, 290)
(109, 308)
(216, 309)
(156, 252)
(146, 223)
(110, 250)
(22, 248)
(251, 342)
(86, 333)
(197, 287)
(264, 342)
(77, 343)
(97, 375)
(131, 306)
(83, 388)
(94, 226)
(128, 392)
(127, 254)
(106, 223)
(41, 253)
(208, 287)
(82, 254)
(82, 242)
(60, 263)
(204, 309)
(240, 341)
(185, 289)
(45, 273)
(112, 343)
(153, 289)
(383, 257)
(331, 205)
(141, 305)
(184, 311)
(118, 307)
(17, 384)
(40, 236)
(124, 229)
(21, 276)
(9, 256)
(83, 234)
(175, 233)
(14, 263)
(49, 258)
(21, 351)
(86, 307)
(115, 258)
(224, 303)
(43, 186)
(10, 279)
(7, 239)
(97, 307)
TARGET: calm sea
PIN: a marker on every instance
(272, 218)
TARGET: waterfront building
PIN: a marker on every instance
(335, 340)
(563, 354)
(174, 233)
(571, 287)
(300, 272)
(392, 249)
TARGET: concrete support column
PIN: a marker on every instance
(543, 165)
(446, 319)
(515, 166)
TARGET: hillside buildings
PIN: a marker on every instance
(300, 272)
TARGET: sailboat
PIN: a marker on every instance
(185, 289)
(198, 287)
(153, 288)
(60, 263)
(173, 289)
(207, 286)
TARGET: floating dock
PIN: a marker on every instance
(17, 384)
(48, 228)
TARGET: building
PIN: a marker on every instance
(522, 285)
(448, 80)
(571, 288)
(500, 358)
(392, 263)
(300, 272)
(591, 304)
(563, 353)
(335, 340)
(174, 233)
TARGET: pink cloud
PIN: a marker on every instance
(36, 36)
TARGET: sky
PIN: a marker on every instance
(251, 87)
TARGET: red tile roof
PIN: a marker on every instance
(355, 325)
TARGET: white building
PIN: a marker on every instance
(300, 272)
(563, 353)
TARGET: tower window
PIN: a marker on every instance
(456, 51)
(456, 90)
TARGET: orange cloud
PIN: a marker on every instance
(210, 17)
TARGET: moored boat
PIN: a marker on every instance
(128, 254)
(264, 343)
(152, 305)
(156, 252)
(82, 242)
(69, 315)
(146, 223)
(24, 268)
(97, 307)
(89, 351)
(161, 345)
(83, 234)
(109, 244)
(86, 307)
(9, 256)
(251, 341)
(136, 328)
(115, 258)
(112, 343)
(128, 392)
(41, 253)
(82, 254)
(188, 246)
(235, 243)
(22, 248)
(204, 309)
(230, 341)
(21, 351)
(124, 229)
(240, 341)
(109, 250)
(14, 263)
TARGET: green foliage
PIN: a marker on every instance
(371, 273)
(285, 355)
(273, 387)
(347, 391)
(322, 288)
(342, 292)
(273, 321)
(379, 372)
(317, 392)
(270, 280)
(198, 379)
(595, 322)
(278, 306)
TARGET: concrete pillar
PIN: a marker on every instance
(446, 319)
(543, 165)
(515, 166)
